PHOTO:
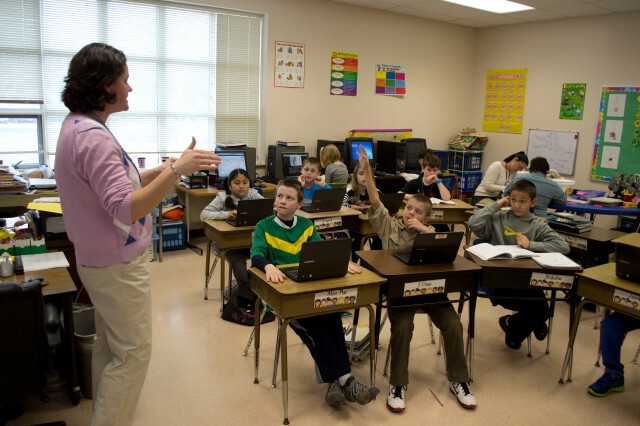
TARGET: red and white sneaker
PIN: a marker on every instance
(395, 399)
(463, 394)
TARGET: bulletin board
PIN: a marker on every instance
(616, 147)
(559, 148)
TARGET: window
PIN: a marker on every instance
(195, 71)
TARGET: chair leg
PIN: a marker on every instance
(277, 355)
(386, 363)
(440, 344)
(433, 339)
(208, 273)
(529, 345)
(597, 313)
(550, 327)
(598, 357)
(253, 331)
(635, 358)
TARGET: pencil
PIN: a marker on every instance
(434, 395)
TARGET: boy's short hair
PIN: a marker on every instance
(312, 161)
(526, 186)
(539, 164)
(421, 154)
(292, 183)
(431, 160)
(424, 200)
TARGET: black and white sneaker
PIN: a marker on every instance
(395, 399)
(463, 394)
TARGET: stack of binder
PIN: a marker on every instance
(569, 222)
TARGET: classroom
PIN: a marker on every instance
(198, 374)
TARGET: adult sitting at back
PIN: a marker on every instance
(498, 175)
(548, 191)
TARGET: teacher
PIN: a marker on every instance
(106, 203)
(498, 175)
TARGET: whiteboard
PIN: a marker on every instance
(559, 148)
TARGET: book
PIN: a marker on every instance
(231, 145)
(567, 217)
(285, 143)
(362, 334)
(605, 201)
(555, 260)
(575, 228)
(435, 201)
(486, 251)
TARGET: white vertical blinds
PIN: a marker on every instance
(195, 70)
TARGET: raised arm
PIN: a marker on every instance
(372, 191)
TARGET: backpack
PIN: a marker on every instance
(240, 309)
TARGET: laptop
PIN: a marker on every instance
(392, 201)
(321, 259)
(250, 212)
(435, 247)
(325, 200)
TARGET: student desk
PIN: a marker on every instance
(195, 200)
(345, 218)
(292, 300)
(461, 276)
(593, 247)
(60, 286)
(228, 237)
(598, 285)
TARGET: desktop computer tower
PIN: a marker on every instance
(391, 157)
(274, 161)
(249, 155)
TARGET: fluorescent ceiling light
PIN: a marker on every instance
(495, 6)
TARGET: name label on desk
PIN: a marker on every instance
(575, 242)
(540, 279)
(327, 223)
(420, 288)
(436, 215)
(338, 297)
(624, 298)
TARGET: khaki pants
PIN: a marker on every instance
(121, 295)
(446, 319)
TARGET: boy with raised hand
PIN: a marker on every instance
(311, 180)
(519, 226)
(397, 233)
(277, 240)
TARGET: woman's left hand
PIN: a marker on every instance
(193, 160)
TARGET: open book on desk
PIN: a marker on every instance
(555, 260)
(435, 200)
(486, 251)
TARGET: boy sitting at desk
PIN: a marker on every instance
(428, 182)
(277, 240)
(398, 233)
(519, 226)
(311, 180)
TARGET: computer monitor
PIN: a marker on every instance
(414, 147)
(292, 163)
(353, 147)
(230, 160)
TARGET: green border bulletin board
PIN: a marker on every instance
(616, 148)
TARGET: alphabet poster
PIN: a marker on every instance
(344, 74)
(289, 65)
(504, 100)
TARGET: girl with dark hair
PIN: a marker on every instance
(224, 206)
(106, 202)
(498, 176)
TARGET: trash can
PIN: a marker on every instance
(84, 335)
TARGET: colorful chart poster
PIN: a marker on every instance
(390, 79)
(344, 73)
(504, 100)
(289, 65)
(572, 104)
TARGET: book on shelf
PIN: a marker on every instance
(570, 218)
(575, 228)
(286, 143)
(486, 251)
(362, 334)
(555, 260)
(231, 145)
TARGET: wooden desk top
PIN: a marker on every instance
(223, 226)
(290, 287)
(211, 191)
(524, 264)
(389, 266)
(60, 281)
(606, 274)
(344, 211)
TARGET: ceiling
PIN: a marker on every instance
(544, 10)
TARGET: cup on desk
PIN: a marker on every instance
(141, 162)
(212, 179)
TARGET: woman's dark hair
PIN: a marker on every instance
(521, 156)
(539, 164)
(228, 202)
(94, 67)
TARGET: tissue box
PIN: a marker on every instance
(22, 246)
(38, 246)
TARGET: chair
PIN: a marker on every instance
(23, 358)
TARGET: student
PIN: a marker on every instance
(335, 170)
(613, 330)
(547, 191)
(224, 206)
(357, 198)
(311, 180)
(277, 240)
(428, 182)
(398, 233)
(519, 226)
(498, 175)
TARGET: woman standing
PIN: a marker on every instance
(106, 203)
(498, 175)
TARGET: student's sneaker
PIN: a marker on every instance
(395, 399)
(508, 340)
(463, 393)
(334, 396)
(541, 331)
(605, 384)
(358, 392)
